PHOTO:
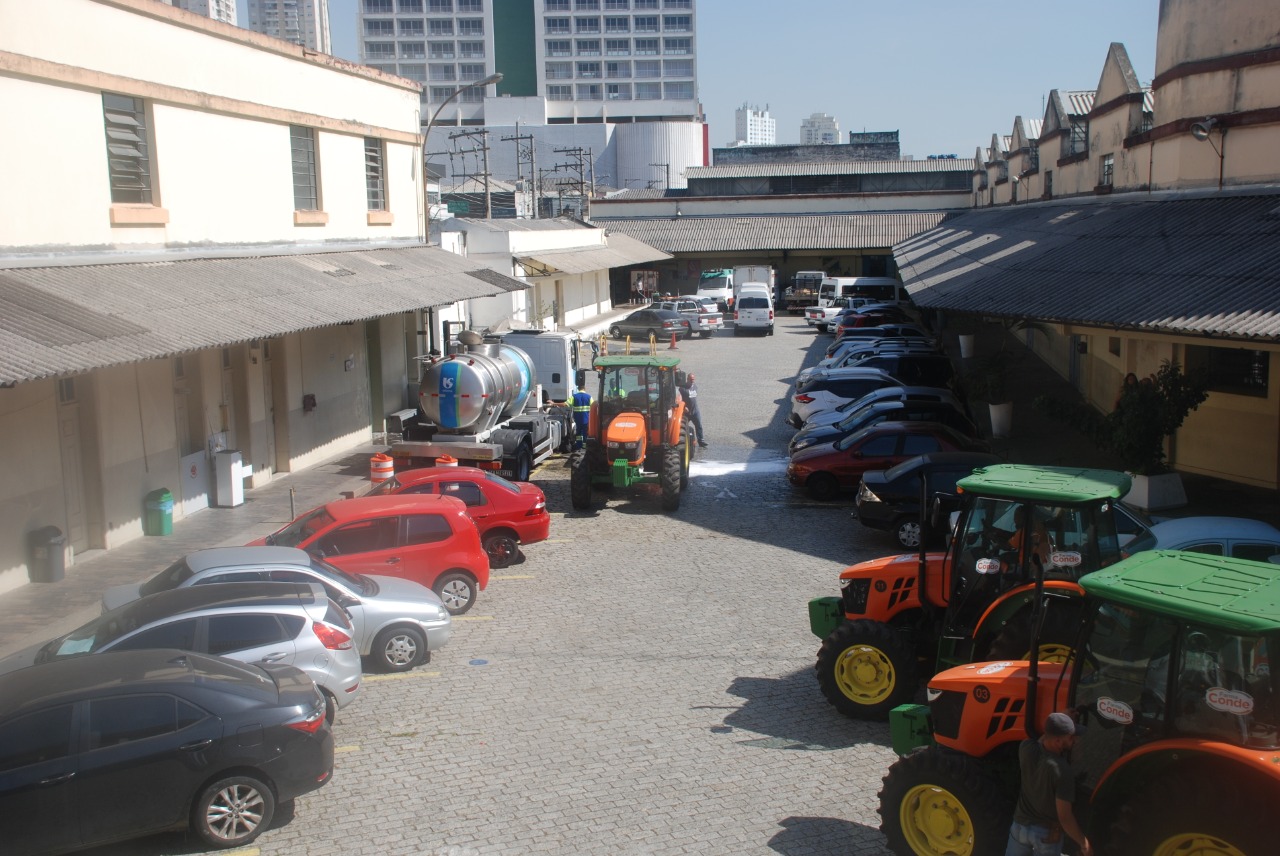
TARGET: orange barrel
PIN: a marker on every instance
(381, 468)
(446, 461)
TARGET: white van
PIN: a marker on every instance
(881, 289)
(753, 309)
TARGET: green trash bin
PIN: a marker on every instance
(159, 517)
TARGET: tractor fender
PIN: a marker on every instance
(1003, 609)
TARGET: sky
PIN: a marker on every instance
(945, 75)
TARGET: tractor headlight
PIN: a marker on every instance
(624, 448)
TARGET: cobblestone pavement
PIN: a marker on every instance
(643, 684)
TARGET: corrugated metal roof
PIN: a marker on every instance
(1202, 264)
(646, 193)
(621, 252)
(776, 232)
(770, 170)
(1033, 128)
(60, 320)
(1077, 101)
(555, 224)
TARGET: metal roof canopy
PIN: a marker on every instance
(69, 319)
(1054, 484)
(621, 251)
(1205, 263)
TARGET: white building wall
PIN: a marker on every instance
(677, 144)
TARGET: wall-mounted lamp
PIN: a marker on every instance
(1201, 130)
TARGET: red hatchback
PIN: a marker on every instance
(428, 539)
(507, 514)
(825, 469)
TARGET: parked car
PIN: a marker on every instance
(944, 412)
(916, 368)
(868, 317)
(295, 624)
(428, 539)
(507, 513)
(702, 321)
(830, 389)
(819, 317)
(1238, 537)
(118, 746)
(880, 331)
(859, 350)
(824, 471)
(659, 323)
(888, 393)
(398, 623)
(889, 499)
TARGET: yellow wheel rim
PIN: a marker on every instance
(934, 822)
(865, 674)
(1196, 844)
(1054, 652)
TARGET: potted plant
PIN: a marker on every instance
(988, 378)
(965, 327)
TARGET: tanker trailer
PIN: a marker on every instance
(480, 407)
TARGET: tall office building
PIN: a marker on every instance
(303, 22)
(819, 130)
(218, 10)
(755, 127)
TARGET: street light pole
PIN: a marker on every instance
(496, 77)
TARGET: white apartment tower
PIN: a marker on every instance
(218, 10)
(755, 127)
(819, 130)
(590, 61)
(303, 22)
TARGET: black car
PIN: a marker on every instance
(890, 499)
(916, 369)
(876, 412)
(122, 745)
(882, 331)
(660, 323)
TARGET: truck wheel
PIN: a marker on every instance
(457, 590)
(907, 531)
(580, 480)
(937, 802)
(670, 478)
(1215, 815)
(865, 671)
(822, 486)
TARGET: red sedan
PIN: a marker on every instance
(428, 539)
(507, 514)
(826, 469)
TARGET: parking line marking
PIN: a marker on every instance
(337, 749)
(400, 676)
(557, 541)
(248, 851)
(473, 618)
(512, 577)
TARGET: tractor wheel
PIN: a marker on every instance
(865, 671)
(670, 477)
(580, 480)
(907, 531)
(822, 486)
(935, 802)
(1210, 815)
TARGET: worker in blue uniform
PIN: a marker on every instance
(581, 414)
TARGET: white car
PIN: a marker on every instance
(1238, 537)
(888, 393)
(833, 388)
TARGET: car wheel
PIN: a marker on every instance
(233, 811)
(615, 332)
(330, 706)
(651, 333)
(503, 548)
(822, 486)
(399, 649)
(907, 531)
(706, 334)
(457, 590)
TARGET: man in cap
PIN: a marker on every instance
(690, 393)
(1044, 811)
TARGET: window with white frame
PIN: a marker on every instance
(440, 28)
(441, 93)
(128, 150)
(414, 71)
(617, 25)
(677, 46)
(648, 91)
(440, 7)
(617, 69)
(471, 50)
(559, 92)
(472, 96)
(677, 4)
(678, 91)
(617, 91)
(588, 47)
(379, 7)
(559, 71)
(384, 67)
(409, 7)
(617, 47)
(646, 47)
(413, 50)
(471, 71)
(646, 23)
(557, 26)
(678, 68)
(555, 6)
(413, 27)
(443, 71)
(306, 179)
(588, 69)
(380, 29)
(617, 5)
(648, 68)
(1107, 170)
(440, 50)
(380, 50)
(470, 27)
(586, 5)
(559, 47)
(590, 92)
(375, 176)
(677, 23)
(646, 4)
(470, 5)
(587, 26)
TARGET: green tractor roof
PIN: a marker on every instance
(1052, 484)
(623, 360)
(1231, 594)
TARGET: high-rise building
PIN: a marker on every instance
(303, 22)
(218, 10)
(755, 127)
(819, 130)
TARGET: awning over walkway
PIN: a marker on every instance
(622, 251)
(775, 232)
(1207, 264)
(60, 320)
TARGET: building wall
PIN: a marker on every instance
(31, 492)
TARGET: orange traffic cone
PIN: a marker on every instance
(673, 343)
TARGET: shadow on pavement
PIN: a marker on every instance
(790, 713)
(808, 835)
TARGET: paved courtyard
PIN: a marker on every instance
(642, 684)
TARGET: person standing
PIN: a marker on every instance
(581, 415)
(690, 393)
(1044, 813)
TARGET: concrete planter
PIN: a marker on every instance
(1001, 419)
(1153, 493)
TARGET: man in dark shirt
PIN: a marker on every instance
(1044, 810)
(690, 394)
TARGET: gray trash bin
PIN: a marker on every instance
(48, 555)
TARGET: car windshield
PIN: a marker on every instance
(501, 482)
(856, 417)
(102, 631)
(170, 578)
(849, 441)
(355, 582)
(301, 529)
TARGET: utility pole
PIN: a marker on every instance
(579, 155)
(483, 134)
(666, 172)
(521, 152)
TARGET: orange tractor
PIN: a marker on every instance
(637, 434)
